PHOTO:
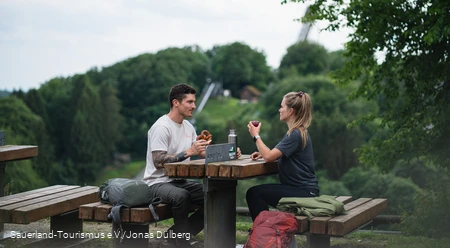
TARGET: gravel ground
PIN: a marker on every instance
(43, 226)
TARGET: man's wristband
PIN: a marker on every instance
(181, 156)
(256, 137)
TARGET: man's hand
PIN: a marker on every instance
(197, 147)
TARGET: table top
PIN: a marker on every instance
(240, 168)
(17, 152)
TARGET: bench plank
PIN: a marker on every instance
(318, 225)
(343, 224)
(22, 194)
(7, 211)
(102, 211)
(30, 213)
(143, 215)
(29, 199)
(99, 212)
(87, 211)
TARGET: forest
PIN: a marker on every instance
(82, 122)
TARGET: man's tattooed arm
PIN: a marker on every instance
(161, 157)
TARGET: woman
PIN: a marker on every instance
(294, 154)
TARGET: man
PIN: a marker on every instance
(172, 139)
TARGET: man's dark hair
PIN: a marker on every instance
(179, 91)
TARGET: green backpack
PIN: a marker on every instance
(122, 192)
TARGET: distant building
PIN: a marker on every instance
(250, 94)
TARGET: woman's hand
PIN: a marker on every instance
(255, 156)
(252, 129)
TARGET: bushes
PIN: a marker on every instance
(430, 218)
(400, 192)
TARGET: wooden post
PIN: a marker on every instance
(317, 241)
(66, 222)
(220, 213)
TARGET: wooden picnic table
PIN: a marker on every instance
(10, 153)
(220, 182)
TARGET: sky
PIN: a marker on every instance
(43, 39)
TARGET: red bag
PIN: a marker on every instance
(272, 229)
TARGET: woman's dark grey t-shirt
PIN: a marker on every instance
(296, 165)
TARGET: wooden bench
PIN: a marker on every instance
(59, 202)
(319, 230)
(134, 220)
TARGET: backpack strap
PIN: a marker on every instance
(115, 214)
(151, 206)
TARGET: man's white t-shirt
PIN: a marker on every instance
(166, 135)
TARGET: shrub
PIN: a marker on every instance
(430, 217)
(335, 188)
(401, 193)
(418, 170)
(355, 179)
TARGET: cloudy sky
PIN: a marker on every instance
(42, 39)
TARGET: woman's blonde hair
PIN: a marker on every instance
(300, 102)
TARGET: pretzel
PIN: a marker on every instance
(205, 135)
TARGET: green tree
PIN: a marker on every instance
(412, 75)
(87, 130)
(237, 65)
(430, 217)
(137, 93)
(36, 103)
(22, 127)
(304, 58)
(143, 87)
(111, 118)
(56, 94)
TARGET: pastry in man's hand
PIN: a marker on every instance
(205, 135)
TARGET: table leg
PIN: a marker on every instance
(220, 213)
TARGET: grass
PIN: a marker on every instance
(354, 240)
(243, 223)
(218, 108)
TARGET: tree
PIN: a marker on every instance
(237, 65)
(22, 127)
(36, 104)
(111, 118)
(304, 58)
(87, 130)
(143, 87)
(412, 77)
(56, 94)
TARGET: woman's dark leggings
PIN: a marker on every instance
(260, 197)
